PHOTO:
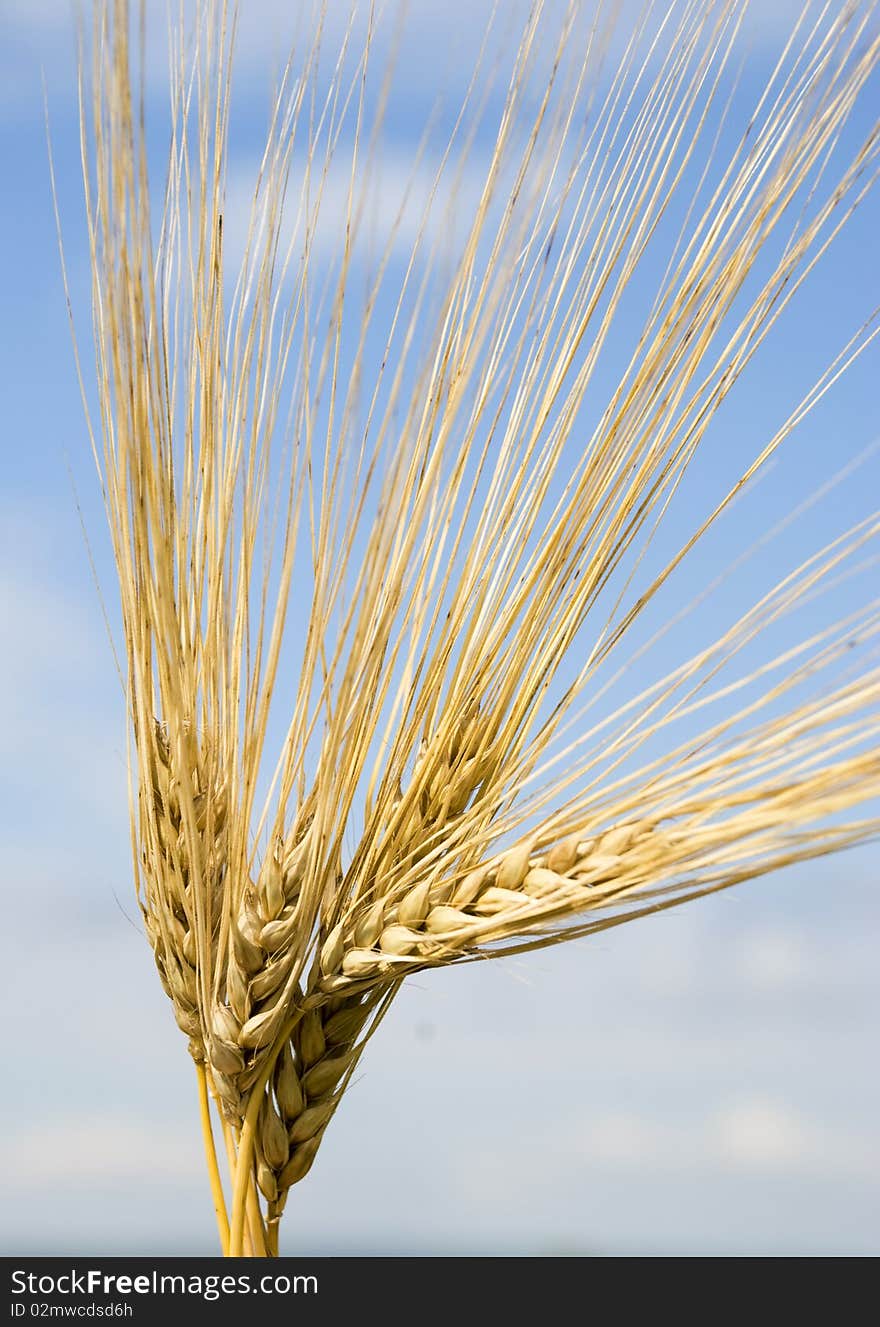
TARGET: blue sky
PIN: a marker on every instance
(699, 1083)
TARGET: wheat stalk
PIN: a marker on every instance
(463, 548)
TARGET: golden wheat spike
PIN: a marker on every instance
(460, 546)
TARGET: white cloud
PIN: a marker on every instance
(754, 1135)
(763, 1135)
(43, 628)
(399, 199)
(625, 1140)
(775, 960)
(440, 43)
(99, 1148)
(62, 707)
(40, 35)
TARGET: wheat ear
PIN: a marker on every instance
(462, 528)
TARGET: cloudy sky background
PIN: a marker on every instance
(704, 1082)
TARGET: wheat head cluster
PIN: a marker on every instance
(379, 556)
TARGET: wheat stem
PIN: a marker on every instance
(254, 1236)
(256, 1231)
(211, 1158)
(243, 1174)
